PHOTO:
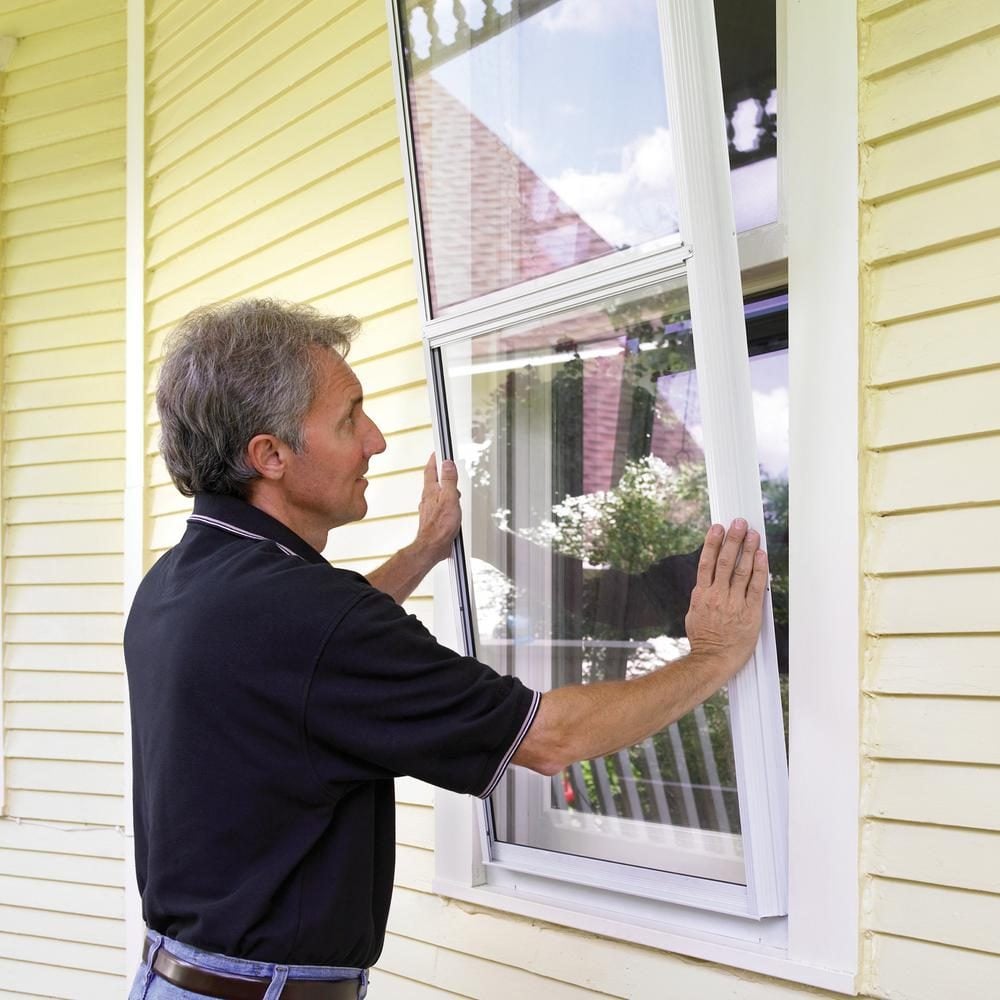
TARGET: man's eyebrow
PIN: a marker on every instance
(355, 399)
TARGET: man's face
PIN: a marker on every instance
(325, 482)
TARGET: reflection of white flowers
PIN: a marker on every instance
(667, 648)
(653, 511)
(637, 202)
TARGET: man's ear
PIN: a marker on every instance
(266, 454)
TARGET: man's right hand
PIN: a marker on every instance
(723, 621)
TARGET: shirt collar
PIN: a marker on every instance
(233, 513)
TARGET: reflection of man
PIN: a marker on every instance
(275, 697)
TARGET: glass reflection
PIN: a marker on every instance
(746, 31)
(541, 135)
(579, 445)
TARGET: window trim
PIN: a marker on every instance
(819, 940)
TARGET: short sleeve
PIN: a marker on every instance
(387, 699)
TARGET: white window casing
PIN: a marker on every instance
(812, 835)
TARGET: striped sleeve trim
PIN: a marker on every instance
(518, 740)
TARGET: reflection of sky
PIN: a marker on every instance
(769, 384)
(579, 65)
(586, 112)
(574, 114)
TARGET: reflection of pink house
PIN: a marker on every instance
(602, 413)
(521, 229)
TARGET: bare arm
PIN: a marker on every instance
(579, 722)
(440, 517)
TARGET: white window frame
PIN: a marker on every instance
(817, 943)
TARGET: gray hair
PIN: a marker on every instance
(233, 371)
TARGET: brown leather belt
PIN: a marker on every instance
(226, 986)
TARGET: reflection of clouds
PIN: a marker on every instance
(770, 408)
(633, 204)
(520, 141)
(770, 414)
(755, 193)
(746, 125)
(590, 16)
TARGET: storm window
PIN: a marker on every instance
(578, 173)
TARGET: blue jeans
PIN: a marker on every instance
(149, 986)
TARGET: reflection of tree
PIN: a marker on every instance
(621, 560)
(652, 512)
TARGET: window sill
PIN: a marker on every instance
(717, 947)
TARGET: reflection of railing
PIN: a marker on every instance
(466, 37)
(631, 784)
(644, 796)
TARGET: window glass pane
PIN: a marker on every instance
(540, 134)
(748, 56)
(579, 444)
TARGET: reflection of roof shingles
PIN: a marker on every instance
(489, 220)
(602, 414)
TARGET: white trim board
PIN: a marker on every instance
(135, 415)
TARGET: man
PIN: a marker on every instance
(275, 697)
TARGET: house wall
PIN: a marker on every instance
(62, 205)
(930, 183)
(273, 168)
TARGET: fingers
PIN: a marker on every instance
(430, 473)
(449, 473)
(730, 551)
(446, 485)
(709, 555)
(758, 579)
(744, 566)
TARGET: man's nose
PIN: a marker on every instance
(376, 440)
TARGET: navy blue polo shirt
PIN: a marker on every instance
(274, 698)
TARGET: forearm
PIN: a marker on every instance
(580, 722)
(400, 575)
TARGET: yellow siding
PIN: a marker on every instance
(62, 205)
(275, 170)
(931, 299)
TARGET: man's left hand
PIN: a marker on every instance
(440, 512)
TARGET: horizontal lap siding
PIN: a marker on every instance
(62, 205)
(930, 124)
(275, 171)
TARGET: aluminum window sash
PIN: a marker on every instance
(694, 95)
(637, 263)
(695, 106)
(547, 301)
(669, 887)
(409, 159)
